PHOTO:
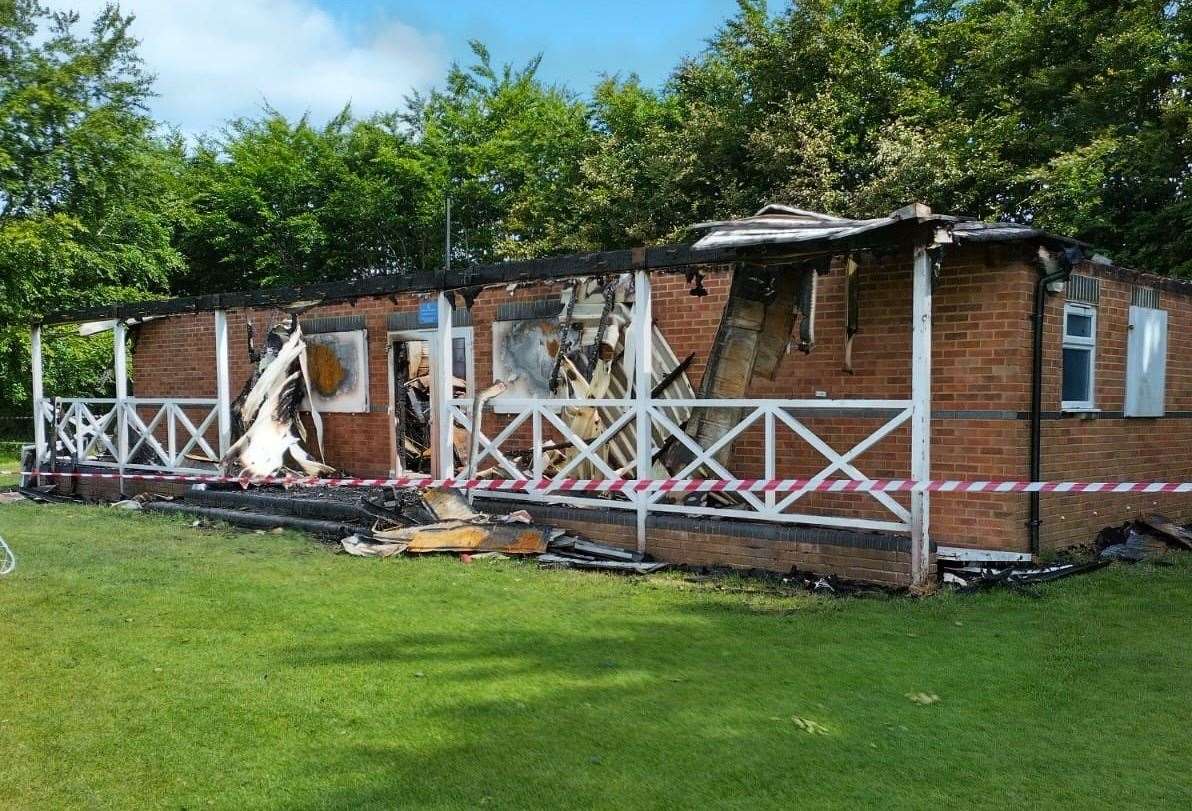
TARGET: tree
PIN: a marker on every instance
(87, 203)
(1069, 114)
(273, 202)
(511, 149)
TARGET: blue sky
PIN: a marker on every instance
(217, 59)
(579, 40)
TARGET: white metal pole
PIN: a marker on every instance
(39, 425)
(643, 383)
(119, 351)
(223, 384)
(921, 413)
(442, 391)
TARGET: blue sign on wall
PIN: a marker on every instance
(428, 313)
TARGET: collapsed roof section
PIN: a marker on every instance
(777, 224)
(775, 233)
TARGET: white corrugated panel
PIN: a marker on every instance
(1146, 363)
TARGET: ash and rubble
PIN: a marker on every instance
(389, 521)
(411, 522)
(1150, 538)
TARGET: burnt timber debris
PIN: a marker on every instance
(977, 578)
(386, 522)
(441, 521)
(1149, 538)
(267, 431)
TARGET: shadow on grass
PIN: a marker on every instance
(697, 697)
(690, 702)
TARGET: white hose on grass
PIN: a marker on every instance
(8, 559)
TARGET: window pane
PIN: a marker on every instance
(1077, 375)
(459, 358)
(1080, 325)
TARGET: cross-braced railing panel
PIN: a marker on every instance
(158, 433)
(568, 436)
(490, 448)
(843, 461)
(773, 415)
(168, 435)
(551, 424)
(82, 429)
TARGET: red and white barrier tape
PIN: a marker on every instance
(666, 485)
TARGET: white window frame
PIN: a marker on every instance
(1081, 342)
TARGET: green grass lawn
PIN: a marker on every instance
(10, 467)
(143, 663)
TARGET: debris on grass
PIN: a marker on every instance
(1146, 539)
(809, 726)
(1016, 576)
(409, 522)
(1135, 546)
(1150, 538)
(556, 561)
(47, 494)
(1169, 531)
(923, 699)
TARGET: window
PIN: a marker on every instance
(1146, 362)
(1080, 357)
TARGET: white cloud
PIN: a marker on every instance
(218, 59)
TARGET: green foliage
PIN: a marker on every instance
(87, 209)
(510, 148)
(1072, 115)
(274, 202)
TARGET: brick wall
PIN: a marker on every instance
(1106, 446)
(980, 360)
(869, 557)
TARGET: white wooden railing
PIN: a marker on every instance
(773, 416)
(141, 433)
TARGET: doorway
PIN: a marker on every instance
(412, 361)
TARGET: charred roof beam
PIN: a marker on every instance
(660, 258)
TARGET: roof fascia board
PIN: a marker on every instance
(663, 257)
(551, 268)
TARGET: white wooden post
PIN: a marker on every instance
(644, 381)
(223, 385)
(172, 410)
(119, 351)
(39, 425)
(442, 391)
(771, 457)
(921, 413)
(77, 410)
(536, 438)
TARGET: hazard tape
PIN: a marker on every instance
(662, 485)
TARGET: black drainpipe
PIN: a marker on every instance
(1054, 267)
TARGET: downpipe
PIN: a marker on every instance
(1053, 267)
